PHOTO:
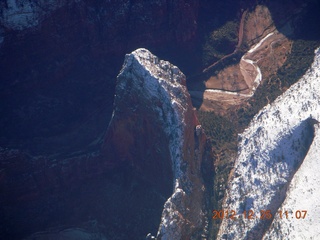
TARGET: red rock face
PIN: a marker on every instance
(60, 73)
(140, 159)
(57, 87)
(168, 152)
(139, 142)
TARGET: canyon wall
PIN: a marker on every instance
(273, 155)
(154, 148)
(158, 134)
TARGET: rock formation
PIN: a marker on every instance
(154, 141)
(273, 168)
(60, 58)
(64, 171)
(58, 64)
(159, 135)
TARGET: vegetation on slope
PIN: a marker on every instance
(222, 131)
(298, 62)
(220, 42)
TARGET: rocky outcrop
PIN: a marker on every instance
(58, 166)
(159, 135)
(154, 146)
(58, 64)
(274, 154)
(60, 58)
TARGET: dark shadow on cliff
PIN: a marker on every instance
(122, 204)
(57, 91)
(58, 79)
(212, 15)
(296, 19)
(58, 100)
(62, 92)
(297, 143)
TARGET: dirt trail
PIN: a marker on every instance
(235, 83)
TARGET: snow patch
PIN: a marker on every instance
(302, 195)
(259, 43)
(270, 150)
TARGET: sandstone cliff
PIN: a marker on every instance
(60, 58)
(154, 148)
(159, 135)
(58, 64)
(59, 166)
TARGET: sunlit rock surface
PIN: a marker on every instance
(154, 128)
(271, 171)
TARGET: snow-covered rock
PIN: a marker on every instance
(154, 128)
(302, 201)
(276, 167)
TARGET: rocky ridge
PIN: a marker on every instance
(78, 48)
(157, 92)
(66, 69)
(301, 201)
(58, 64)
(280, 138)
(155, 141)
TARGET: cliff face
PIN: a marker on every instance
(22, 14)
(58, 64)
(272, 171)
(154, 148)
(301, 201)
(159, 135)
(60, 164)
(59, 60)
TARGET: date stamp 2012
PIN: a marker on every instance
(262, 214)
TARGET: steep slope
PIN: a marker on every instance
(302, 201)
(154, 148)
(59, 60)
(159, 135)
(271, 150)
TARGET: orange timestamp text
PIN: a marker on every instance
(262, 214)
